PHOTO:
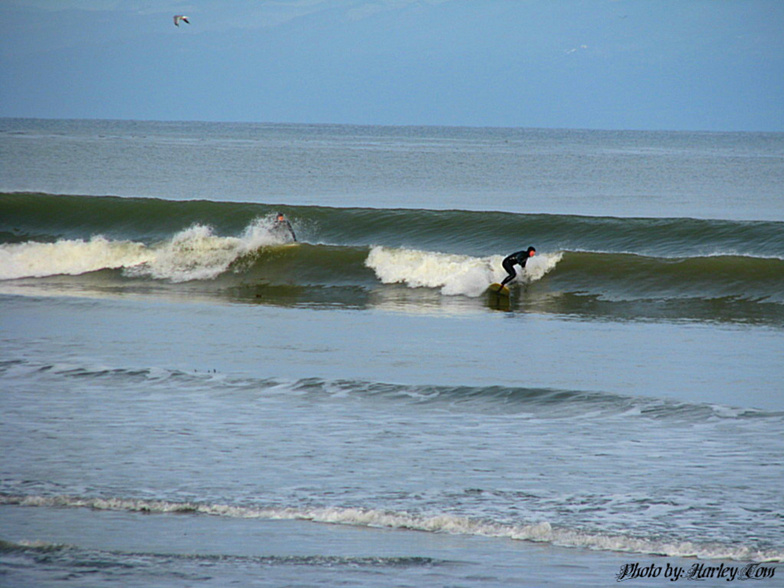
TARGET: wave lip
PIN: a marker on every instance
(541, 532)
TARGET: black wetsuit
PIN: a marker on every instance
(284, 229)
(519, 258)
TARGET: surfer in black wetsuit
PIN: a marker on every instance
(283, 227)
(519, 258)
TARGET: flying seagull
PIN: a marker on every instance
(178, 18)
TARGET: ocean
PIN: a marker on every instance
(190, 398)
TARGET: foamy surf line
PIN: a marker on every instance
(541, 532)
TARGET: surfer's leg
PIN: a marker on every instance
(509, 267)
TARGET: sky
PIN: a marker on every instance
(705, 65)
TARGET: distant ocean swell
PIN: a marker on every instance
(735, 267)
(441, 523)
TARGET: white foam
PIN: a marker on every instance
(539, 532)
(453, 274)
(195, 253)
(71, 257)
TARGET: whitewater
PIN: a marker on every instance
(196, 253)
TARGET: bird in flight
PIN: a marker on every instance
(180, 17)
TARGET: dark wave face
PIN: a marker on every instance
(596, 267)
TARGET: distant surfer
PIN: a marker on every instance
(283, 227)
(519, 258)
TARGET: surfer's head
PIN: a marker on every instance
(280, 216)
(531, 251)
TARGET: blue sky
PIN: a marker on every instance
(715, 65)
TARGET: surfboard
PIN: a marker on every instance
(498, 290)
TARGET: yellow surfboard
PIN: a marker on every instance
(498, 290)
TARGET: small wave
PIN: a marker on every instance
(537, 402)
(540, 532)
(26, 545)
(627, 276)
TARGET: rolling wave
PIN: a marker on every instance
(670, 268)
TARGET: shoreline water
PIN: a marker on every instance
(205, 551)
